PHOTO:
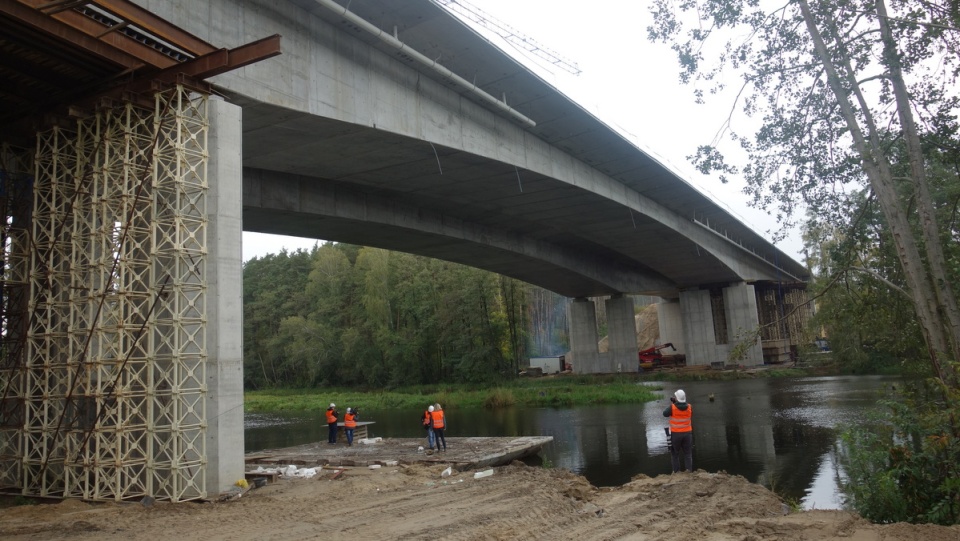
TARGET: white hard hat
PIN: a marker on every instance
(680, 395)
(332, 405)
(430, 408)
(349, 410)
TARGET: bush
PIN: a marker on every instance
(906, 468)
(499, 398)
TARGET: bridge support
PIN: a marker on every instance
(671, 325)
(583, 336)
(121, 306)
(621, 334)
(720, 320)
(225, 451)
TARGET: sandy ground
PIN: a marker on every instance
(416, 502)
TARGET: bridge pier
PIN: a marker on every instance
(716, 320)
(224, 399)
(621, 334)
(583, 336)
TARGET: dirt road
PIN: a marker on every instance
(417, 502)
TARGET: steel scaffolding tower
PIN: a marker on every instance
(103, 367)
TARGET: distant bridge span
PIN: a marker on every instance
(344, 135)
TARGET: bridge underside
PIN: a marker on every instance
(414, 196)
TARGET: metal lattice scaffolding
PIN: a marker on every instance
(109, 390)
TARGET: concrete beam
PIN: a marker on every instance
(317, 208)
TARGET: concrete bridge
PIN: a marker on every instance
(388, 124)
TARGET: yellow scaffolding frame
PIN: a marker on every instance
(109, 391)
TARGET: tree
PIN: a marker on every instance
(837, 86)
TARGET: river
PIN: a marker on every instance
(779, 432)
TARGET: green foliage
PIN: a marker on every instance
(906, 466)
(344, 315)
(871, 323)
(565, 391)
(499, 398)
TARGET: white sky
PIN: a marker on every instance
(626, 81)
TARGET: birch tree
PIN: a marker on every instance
(834, 86)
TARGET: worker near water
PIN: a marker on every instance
(438, 422)
(681, 431)
(427, 421)
(350, 424)
(332, 417)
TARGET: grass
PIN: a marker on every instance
(530, 392)
(562, 391)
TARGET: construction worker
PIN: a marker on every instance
(681, 430)
(332, 417)
(349, 424)
(438, 421)
(427, 424)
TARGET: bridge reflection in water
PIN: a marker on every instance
(776, 432)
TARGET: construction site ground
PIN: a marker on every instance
(417, 501)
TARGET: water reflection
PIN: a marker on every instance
(777, 432)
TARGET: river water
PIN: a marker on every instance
(780, 433)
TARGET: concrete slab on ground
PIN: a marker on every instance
(462, 453)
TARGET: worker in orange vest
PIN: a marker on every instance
(349, 424)
(681, 431)
(438, 421)
(427, 422)
(332, 417)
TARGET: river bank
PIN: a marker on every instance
(418, 502)
(560, 390)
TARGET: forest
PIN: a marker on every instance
(346, 315)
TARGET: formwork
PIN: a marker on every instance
(784, 311)
(103, 307)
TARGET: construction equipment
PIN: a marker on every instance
(651, 357)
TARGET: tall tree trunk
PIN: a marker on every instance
(946, 299)
(881, 180)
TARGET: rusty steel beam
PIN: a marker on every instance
(92, 29)
(192, 72)
(142, 18)
(33, 18)
(247, 54)
(217, 62)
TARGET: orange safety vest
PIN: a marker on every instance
(331, 416)
(680, 419)
(350, 421)
(426, 418)
(437, 417)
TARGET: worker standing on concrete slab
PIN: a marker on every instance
(681, 431)
(332, 417)
(428, 424)
(350, 424)
(438, 421)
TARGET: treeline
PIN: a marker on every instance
(354, 316)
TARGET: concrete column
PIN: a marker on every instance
(740, 303)
(698, 335)
(583, 336)
(621, 334)
(671, 325)
(224, 440)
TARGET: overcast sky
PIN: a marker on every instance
(626, 81)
